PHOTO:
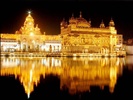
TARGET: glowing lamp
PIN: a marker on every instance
(29, 12)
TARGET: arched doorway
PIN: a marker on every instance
(50, 48)
(24, 48)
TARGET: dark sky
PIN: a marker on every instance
(48, 14)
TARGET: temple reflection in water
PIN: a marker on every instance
(76, 74)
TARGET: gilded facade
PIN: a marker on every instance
(29, 38)
(77, 37)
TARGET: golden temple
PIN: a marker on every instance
(77, 38)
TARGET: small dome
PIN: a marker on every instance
(111, 23)
(81, 19)
(102, 25)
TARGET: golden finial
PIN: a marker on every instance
(29, 12)
(102, 24)
(89, 20)
(80, 14)
(72, 16)
(111, 23)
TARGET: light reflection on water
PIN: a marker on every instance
(129, 62)
(76, 74)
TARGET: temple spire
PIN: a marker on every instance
(102, 24)
(89, 20)
(29, 12)
(80, 14)
(28, 28)
(111, 23)
(72, 15)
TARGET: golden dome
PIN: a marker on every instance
(29, 27)
(111, 23)
(102, 25)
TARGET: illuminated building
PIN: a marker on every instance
(129, 46)
(29, 39)
(80, 37)
(77, 38)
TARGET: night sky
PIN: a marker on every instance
(48, 14)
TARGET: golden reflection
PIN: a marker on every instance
(76, 74)
(129, 62)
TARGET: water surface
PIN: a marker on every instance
(66, 78)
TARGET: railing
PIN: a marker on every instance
(58, 54)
